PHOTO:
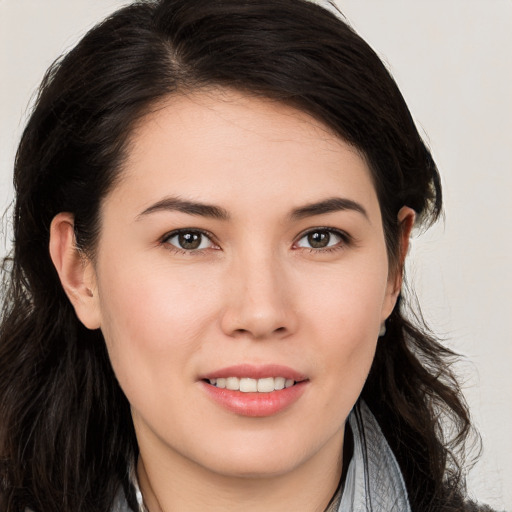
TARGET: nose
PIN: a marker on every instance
(259, 300)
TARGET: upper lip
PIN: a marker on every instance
(256, 372)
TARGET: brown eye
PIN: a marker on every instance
(189, 240)
(320, 239)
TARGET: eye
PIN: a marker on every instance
(189, 240)
(322, 239)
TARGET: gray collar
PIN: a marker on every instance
(373, 482)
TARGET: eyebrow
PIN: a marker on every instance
(333, 204)
(189, 207)
(330, 205)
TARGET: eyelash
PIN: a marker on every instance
(346, 240)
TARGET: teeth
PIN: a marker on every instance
(279, 382)
(246, 385)
(233, 383)
(266, 385)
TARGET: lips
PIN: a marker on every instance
(256, 372)
(255, 391)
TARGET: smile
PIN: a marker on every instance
(255, 390)
(248, 385)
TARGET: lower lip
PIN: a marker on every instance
(256, 405)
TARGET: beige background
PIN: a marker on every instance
(453, 62)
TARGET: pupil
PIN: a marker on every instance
(189, 240)
(318, 239)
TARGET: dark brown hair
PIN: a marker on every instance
(66, 436)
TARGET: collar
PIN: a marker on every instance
(374, 481)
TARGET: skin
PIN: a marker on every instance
(254, 292)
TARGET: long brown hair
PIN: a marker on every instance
(66, 435)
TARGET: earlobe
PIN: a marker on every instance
(75, 270)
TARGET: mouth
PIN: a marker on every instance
(255, 391)
(250, 385)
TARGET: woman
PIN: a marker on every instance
(203, 311)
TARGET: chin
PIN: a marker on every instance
(262, 456)
(258, 468)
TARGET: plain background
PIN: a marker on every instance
(453, 62)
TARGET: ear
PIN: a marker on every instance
(406, 217)
(76, 272)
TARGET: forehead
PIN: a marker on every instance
(228, 147)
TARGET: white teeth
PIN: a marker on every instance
(266, 385)
(279, 382)
(247, 385)
(233, 383)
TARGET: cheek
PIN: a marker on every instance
(349, 301)
(152, 320)
(344, 314)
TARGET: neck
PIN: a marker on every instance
(187, 486)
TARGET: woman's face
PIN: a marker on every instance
(243, 247)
